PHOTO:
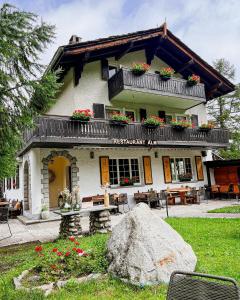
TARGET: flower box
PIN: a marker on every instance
(82, 115)
(153, 122)
(206, 127)
(180, 125)
(166, 73)
(119, 119)
(126, 182)
(139, 69)
(118, 123)
(185, 177)
(193, 80)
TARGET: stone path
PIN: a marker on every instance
(48, 231)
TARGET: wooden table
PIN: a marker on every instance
(99, 215)
(4, 203)
(182, 193)
(145, 197)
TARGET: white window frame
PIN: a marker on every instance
(130, 171)
(122, 110)
(192, 167)
(175, 115)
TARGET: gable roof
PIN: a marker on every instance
(160, 42)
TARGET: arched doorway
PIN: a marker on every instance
(26, 204)
(71, 180)
(59, 176)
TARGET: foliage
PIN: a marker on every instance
(82, 114)
(193, 79)
(167, 72)
(185, 177)
(181, 123)
(120, 117)
(154, 120)
(25, 91)
(225, 110)
(139, 68)
(235, 209)
(209, 125)
(215, 242)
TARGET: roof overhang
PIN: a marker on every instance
(159, 42)
(222, 163)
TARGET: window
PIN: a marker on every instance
(124, 169)
(179, 118)
(181, 169)
(128, 112)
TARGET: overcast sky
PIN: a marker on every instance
(211, 28)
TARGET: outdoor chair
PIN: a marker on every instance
(214, 191)
(192, 196)
(15, 209)
(196, 286)
(224, 191)
(163, 200)
(153, 198)
(233, 191)
(4, 211)
(202, 194)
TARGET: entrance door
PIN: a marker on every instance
(59, 171)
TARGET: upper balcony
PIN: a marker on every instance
(149, 88)
(62, 132)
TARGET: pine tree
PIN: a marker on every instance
(26, 89)
(225, 110)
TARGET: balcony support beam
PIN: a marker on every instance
(125, 50)
(185, 66)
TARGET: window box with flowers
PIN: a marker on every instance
(166, 73)
(153, 122)
(126, 181)
(139, 69)
(193, 80)
(180, 125)
(185, 177)
(82, 115)
(206, 126)
(119, 119)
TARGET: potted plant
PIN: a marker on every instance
(126, 181)
(185, 177)
(82, 115)
(193, 80)
(206, 126)
(153, 122)
(180, 125)
(119, 119)
(139, 69)
(44, 212)
(166, 73)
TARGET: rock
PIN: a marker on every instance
(144, 250)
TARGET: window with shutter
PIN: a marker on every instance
(98, 111)
(194, 119)
(167, 169)
(104, 170)
(142, 114)
(199, 167)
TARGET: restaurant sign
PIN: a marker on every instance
(134, 142)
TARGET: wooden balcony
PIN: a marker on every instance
(62, 132)
(149, 88)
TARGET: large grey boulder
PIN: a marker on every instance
(143, 249)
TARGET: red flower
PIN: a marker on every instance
(76, 243)
(59, 254)
(54, 250)
(54, 267)
(79, 251)
(38, 248)
(67, 253)
(126, 180)
(72, 238)
(74, 249)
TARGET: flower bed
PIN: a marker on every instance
(119, 119)
(166, 73)
(82, 115)
(193, 80)
(139, 68)
(65, 260)
(153, 122)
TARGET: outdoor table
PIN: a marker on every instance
(145, 197)
(182, 194)
(99, 215)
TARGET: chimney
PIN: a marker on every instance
(75, 40)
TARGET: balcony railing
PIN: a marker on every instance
(55, 132)
(152, 83)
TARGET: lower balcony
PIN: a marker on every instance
(62, 132)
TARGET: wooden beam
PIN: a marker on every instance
(151, 50)
(185, 66)
(125, 50)
(213, 89)
(78, 68)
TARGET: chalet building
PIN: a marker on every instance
(97, 75)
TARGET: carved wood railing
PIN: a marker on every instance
(124, 78)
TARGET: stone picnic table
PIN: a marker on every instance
(99, 217)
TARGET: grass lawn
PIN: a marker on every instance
(235, 209)
(216, 243)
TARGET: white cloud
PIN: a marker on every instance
(211, 28)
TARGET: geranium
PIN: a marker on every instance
(181, 123)
(82, 114)
(139, 68)
(76, 243)
(193, 79)
(74, 249)
(79, 251)
(59, 254)
(120, 117)
(72, 238)
(67, 254)
(38, 248)
(154, 120)
(126, 180)
(167, 72)
(54, 249)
